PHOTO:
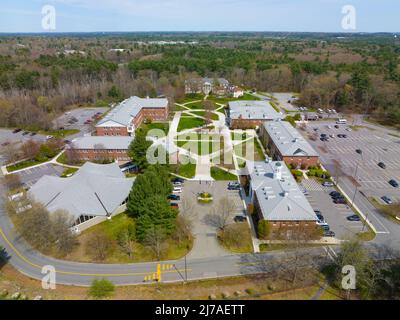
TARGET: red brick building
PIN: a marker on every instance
(285, 143)
(126, 117)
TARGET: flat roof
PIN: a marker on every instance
(288, 140)
(279, 196)
(102, 142)
(128, 109)
(94, 190)
(253, 110)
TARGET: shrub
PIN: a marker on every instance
(101, 288)
(264, 229)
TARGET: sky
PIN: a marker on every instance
(198, 15)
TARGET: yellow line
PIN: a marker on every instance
(77, 273)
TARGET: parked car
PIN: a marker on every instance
(328, 184)
(33, 134)
(340, 201)
(336, 126)
(387, 200)
(394, 183)
(178, 180)
(382, 165)
(324, 226)
(329, 233)
(323, 135)
(67, 141)
(319, 216)
(359, 151)
(17, 130)
(331, 136)
(335, 193)
(49, 137)
(177, 190)
(238, 219)
(349, 129)
(175, 205)
(354, 218)
(26, 133)
(174, 197)
(5, 144)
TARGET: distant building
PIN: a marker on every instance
(100, 148)
(248, 114)
(92, 195)
(219, 87)
(285, 143)
(277, 198)
(127, 116)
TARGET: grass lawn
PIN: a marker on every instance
(240, 150)
(68, 172)
(200, 147)
(221, 175)
(60, 133)
(191, 98)
(111, 228)
(24, 165)
(236, 136)
(236, 238)
(190, 123)
(164, 126)
(389, 211)
(63, 160)
(203, 114)
(185, 170)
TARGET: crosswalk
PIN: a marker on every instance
(312, 185)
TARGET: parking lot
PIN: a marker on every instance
(81, 116)
(335, 214)
(204, 230)
(376, 146)
(7, 136)
(31, 176)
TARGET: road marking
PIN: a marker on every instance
(78, 273)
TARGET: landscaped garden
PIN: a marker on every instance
(186, 123)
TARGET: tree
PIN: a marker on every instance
(30, 149)
(12, 181)
(98, 246)
(223, 212)
(264, 229)
(101, 289)
(126, 239)
(65, 239)
(154, 240)
(138, 149)
(114, 92)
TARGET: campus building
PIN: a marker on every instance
(127, 116)
(285, 143)
(250, 114)
(206, 86)
(93, 194)
(99, 148)
(277, 198)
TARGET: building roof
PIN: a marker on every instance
(128, 109)
(94, 190)
(198, 81)
(278, 194)
(288, 140)
(253, 110)
(102, 142)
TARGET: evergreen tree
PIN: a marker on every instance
(138, 149)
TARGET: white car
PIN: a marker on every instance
(349, 129)
(177, 190)
(49, 137)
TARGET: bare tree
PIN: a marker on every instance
(126, 240)
(221, 214)
(12, 181)
(65, 240)
(98, 246)
(155, 240)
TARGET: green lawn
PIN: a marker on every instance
(24, 164)
(240, 150)
(221, 175)
(203, 114)
(190, 98)
(236, 238)
(68, 172)
(194, 106)
(184, 170)
(164, 126)
(203, 147)
(190, 123)
(63, 160)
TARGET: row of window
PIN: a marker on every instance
(103, 150)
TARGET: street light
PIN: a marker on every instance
(360, 152)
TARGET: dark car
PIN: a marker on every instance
(382, 165)
(174, 197)
(178, 180)
(67, 141)
(320, 217)
(17, 130)
(33, 134)
(26, 133)
(359, 151)
(394, 183)
(323, 135)
(329, 233)
(340, 201)
(353, 218)
(336, 126)
(324, 139)
(387, 200)
(334, 193)
(240, 219)
(337, 196)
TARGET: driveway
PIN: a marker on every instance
(30, 176)
(204, 229)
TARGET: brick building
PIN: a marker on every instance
(126, 117)
(277, 198)
(250, 114)
(285, 143)
(100, 148)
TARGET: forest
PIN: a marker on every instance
(43, 76)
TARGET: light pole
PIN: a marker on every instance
(355, 178)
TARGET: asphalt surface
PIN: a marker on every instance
(30, 176)
(339, 156)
